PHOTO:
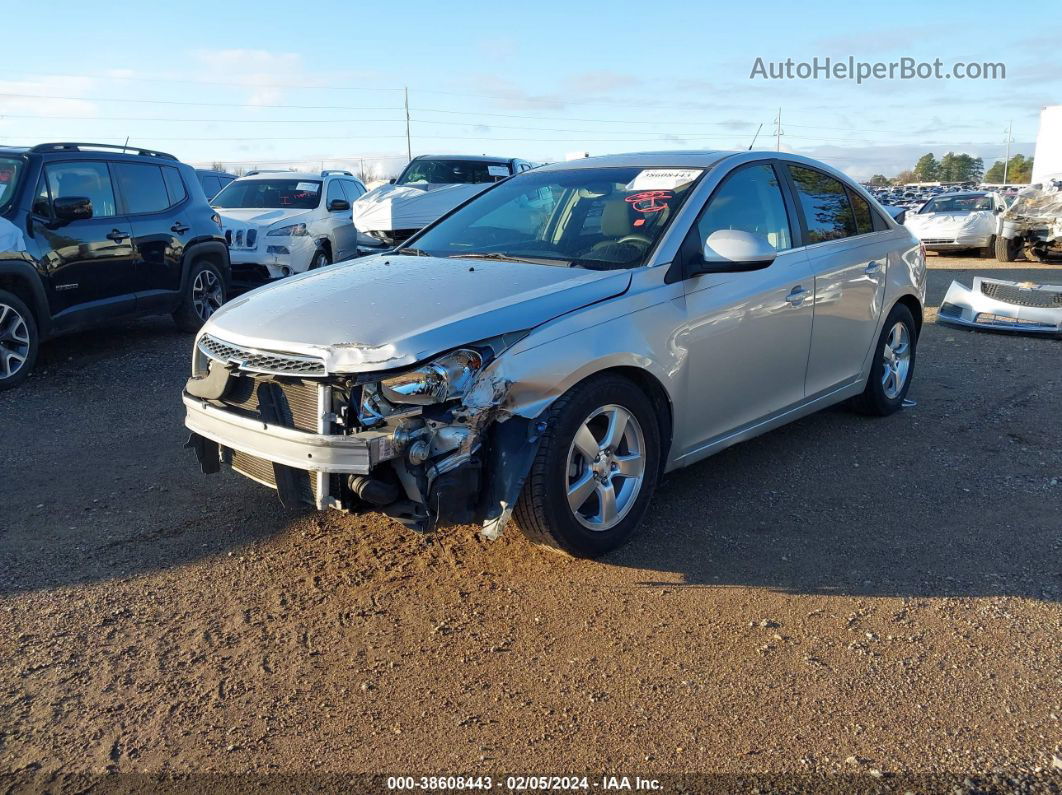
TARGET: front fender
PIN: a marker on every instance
(25, 274)
(209, 248)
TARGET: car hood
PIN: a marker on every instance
(261, 217)
(387, 311)
(391, 207)
(946, 222)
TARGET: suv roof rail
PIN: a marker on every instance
(341, 171)
(268, 171)
(81, 147)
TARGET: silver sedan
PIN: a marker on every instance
(548, 350)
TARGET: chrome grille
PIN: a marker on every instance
(1023, 296)
(260, 361)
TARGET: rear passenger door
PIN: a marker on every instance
(155, 198)
(848, 258)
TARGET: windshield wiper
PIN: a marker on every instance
(411, 252)
(486, 255)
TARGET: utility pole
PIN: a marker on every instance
(778, 131)
(409, 146)
(1010, 140)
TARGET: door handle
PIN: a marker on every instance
(872, 268)
(179, 228)
(117, 235)
(796, 295)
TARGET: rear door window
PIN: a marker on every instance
(861, 211)
(142, 187)
(174, 185)
(824, 201)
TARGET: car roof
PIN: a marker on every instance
(290, 175)
(470, 158)
(965, 194)
(14, 150)
(672, 159)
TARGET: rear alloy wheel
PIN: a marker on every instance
(894, 360)
(204, 296)
(595, 470)
(18, 341)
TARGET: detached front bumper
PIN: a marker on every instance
(1000, 305)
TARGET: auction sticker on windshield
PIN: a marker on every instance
(498, 171)
(663, 178)
(309, 187)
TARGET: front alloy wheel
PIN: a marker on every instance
(606, 467)
(14, 341)
(595, 470)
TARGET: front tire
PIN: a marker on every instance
(19, 340)
(595, 471)
(893, 365)
(203, 296)
(1006, 249)
(321, 258)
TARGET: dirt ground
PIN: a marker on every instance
(842, 595)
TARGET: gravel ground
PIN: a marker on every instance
(842, 595)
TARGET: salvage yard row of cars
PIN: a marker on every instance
(545, 348)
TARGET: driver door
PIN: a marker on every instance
(748, 334)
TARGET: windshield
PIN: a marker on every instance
(958, 204)
(601, 218)
(450, 172)
(10, 170)
(270, 194)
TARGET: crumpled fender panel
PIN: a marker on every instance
(1000, 305)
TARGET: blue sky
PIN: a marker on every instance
(264, 83)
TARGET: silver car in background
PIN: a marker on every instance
(552, 347)
(958, 221)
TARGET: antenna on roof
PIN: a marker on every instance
(126, 144)
(757, 135)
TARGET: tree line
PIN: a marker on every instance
(954, 167)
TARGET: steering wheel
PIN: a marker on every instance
(625, 240)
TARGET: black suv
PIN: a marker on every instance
(91, 233)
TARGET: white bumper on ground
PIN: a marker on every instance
(1004, 306)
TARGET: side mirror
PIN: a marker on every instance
(733, 250)
(392, 181)
(338, 205)
(72, 208)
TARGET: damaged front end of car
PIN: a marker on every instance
(428, 445)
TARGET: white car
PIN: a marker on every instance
(428, 188)
(282, 222)
(955, 221)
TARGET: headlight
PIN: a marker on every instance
(443, 379)
(295, 230)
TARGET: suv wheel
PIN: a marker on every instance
(18, 340)
(204, 295)
(595, 470)
(894, 360)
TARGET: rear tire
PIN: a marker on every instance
(611, 412)
(203, 296)
(1006, 249)
(19, 340)
(892, 367)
